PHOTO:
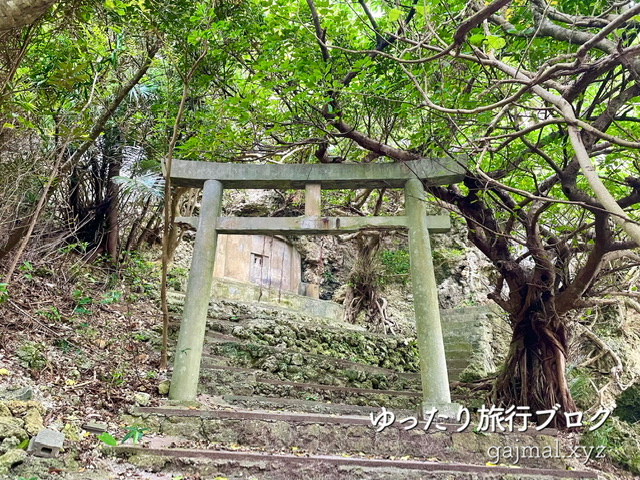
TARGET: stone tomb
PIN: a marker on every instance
(269, 262)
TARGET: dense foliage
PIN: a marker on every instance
(539, 96)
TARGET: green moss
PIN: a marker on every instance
(621, 440)
(32, 355)
(359, 347)
(395, 266)
(581, 388)
(628, 404)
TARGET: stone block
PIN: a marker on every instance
(163, 387)
(46, 444)
(141, 398)
(33, 421)
(95, 427)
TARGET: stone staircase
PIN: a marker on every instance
(291, 396)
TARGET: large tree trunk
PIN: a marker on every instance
(534, 370)
(18, 13)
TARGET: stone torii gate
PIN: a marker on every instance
(214, 177)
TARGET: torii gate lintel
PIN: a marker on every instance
(214, 178)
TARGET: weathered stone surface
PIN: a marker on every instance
(150, 422)
(141, 398)
(186, 369)
(72, 431)
(229, 297)
(475, 338)
(45, 468)
(372, 175)
(95, 427)
(22, 394)
(33, 421)
(11, 458)
(152, 463)
(240, 465)
(312, 368)
(4, 410)
(433, 365)
(9, 443)
(190, 428)
(326, 435)
(397, 353)
(309, 406)
(19, 407)
(163, 387)
(12, 427)
(221, 381)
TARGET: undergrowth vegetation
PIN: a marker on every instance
(88, 335)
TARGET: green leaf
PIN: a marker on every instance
(476, 39)
(8, 125)
(496, 42)
(394, 14)
(107, 438)
(135, 433)
(422, 10)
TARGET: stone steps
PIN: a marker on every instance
(387, 351)
(468, 335)
(236, 465)
(322, 434)
(224, 380)
(298, 365)
(212, 339)
(394, 352)
(256, 402)
(307, 367)
(292, 399)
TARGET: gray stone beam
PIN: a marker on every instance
(438, 171)
(316, 225)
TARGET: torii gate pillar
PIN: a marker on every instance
(186, 371)
(433, 368)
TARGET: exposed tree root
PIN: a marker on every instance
(362, 288)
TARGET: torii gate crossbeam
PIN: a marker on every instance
(215, 177)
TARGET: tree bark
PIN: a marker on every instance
(113, 191)
(534, 370)
(18, 13)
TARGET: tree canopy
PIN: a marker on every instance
(540, 96)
